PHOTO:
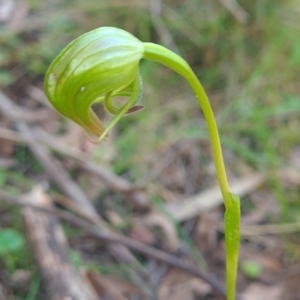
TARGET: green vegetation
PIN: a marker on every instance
(250, 72)
(251, 269)
(11, 241)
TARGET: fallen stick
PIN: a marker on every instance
(50, 250)
(52, 166)
(193, 206)
(60, 176)
(112, 181)
(111, 237)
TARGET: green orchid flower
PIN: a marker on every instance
(97, 66)
(103, 64)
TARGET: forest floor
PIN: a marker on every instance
(140, 216)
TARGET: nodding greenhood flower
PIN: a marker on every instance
(97, 66)
(103, 64)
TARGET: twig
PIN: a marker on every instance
(40, 136)
(113, 182)
(270, 229)
(206, 200)
(118, 184)
(110, 237)
(51, 165)
(29, 115)
(58, 174)
(50, 249)
(7, 163)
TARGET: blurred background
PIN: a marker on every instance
(153, 181)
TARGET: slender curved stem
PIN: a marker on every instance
(232, 204)
(176, 63)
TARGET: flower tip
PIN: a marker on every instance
(94, 139)
(103, 137)
(134, 109)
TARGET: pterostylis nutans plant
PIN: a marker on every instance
(103, 64)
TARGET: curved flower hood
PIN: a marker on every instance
(94, 67)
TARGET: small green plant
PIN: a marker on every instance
(103, 64)
(251, 269)
(11, 241)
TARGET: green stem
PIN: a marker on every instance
(232, 214)
(232, 242)
(179, 65)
